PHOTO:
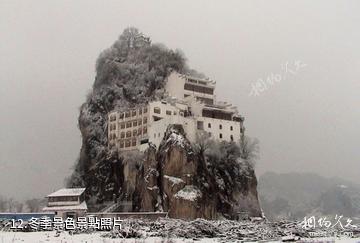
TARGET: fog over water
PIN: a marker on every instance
(306, 122)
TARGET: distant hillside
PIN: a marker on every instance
(295, 195)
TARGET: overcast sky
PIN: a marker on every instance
(308, 121)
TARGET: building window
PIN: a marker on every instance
(209, 125)
(134, 142)
(231, 128)
(145, 109)
(122, 135)
(134, 132)
(220, 135)
(220, 126)
(140, 122)
(200, 125)
(122, 125)
(127, 143)
(112, 127)
(133, 113)
(154, 135)
(140, 111)
(134, 123)
(128, 124)
(231, 138)
(121, 116)
(199, 89)
(205, 100)
(175, 113)
(158, 135)
(122, 144)
(113, 118)
(127, 114)
(128, 134)
(139, 131)
(157, 110)
(168, 113)
(145, 120)
(145, 130)
(202, 82)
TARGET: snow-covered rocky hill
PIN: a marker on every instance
(188, 180)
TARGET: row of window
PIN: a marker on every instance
(196, 81)
(63, 198)
(134, 133)
(221, 136)
(131, 113)
(200, 126)
(133, 123)
(199, 89)
(157, 110)
(128, 143)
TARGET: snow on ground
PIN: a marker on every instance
(165, 230)
(65, 237)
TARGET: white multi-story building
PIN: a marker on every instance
(190, 102)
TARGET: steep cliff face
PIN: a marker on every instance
(187, 180)
(175, 179)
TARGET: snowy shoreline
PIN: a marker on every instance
(199, 230)
(65, 237)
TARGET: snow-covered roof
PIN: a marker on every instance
(81, 206)
(67, 192)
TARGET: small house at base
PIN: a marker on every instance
(67, 202)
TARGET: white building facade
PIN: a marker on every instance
(190, 102)
(67, 202)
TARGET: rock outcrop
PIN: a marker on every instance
(170, 180)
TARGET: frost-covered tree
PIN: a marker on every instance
(19, 206)
(249, 149)
(3, 204)
(33, 205)
(203, 142)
